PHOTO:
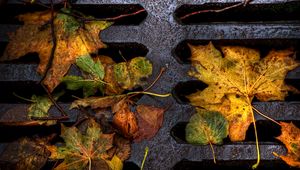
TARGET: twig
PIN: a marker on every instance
(54, 102)
(50, 118)
(79, 121)
(114, 18)
(162, 70)
(50, 61)
(243, 3)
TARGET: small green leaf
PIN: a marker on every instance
(41, 105)
(89, 86)
(206, 127)
(87, 64)
(70, 24)
(129, 75)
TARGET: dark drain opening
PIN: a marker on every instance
(233, 165)
(9, 12)
(281, 11)
(182, 52)
(267, 131)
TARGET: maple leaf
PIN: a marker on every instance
(73, 38)
(150, 120)
(290, 137)
(83, 149)
(235, 79)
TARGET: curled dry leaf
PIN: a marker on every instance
(124, 120)
(233, 81)
(150, 120)
(290, 137)
(83, 149)
(24, 154)
(74, 39)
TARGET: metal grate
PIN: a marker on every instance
(162, 37)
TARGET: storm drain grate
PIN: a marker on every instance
(162, 36)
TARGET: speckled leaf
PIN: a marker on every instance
(129, 74)
(206, 127)
(87, 64)
(73, 38)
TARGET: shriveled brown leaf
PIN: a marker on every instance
(73, 40)
(97, 102)
(124, 120)
(290, 137)
(24, 154)
(150, 120)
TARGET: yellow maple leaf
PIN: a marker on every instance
(73, 39)
(235, 79)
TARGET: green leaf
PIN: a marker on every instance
(87, 64)
(41, 105)
(206, 127)
(129, 75)
(89, 86)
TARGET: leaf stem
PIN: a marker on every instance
(145, 156)
(90, 164)
(265, 116)
(213, 152)
(150, 93)
(23, 98)
(256, 137)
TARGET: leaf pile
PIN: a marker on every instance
(236, 78)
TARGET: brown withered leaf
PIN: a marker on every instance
(150, 120)
(73, 39)
(290, 137)
(124, 120)
(24, 154)
(235, 79)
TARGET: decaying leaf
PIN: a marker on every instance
(235, 79)
(206, 127)
(290, 137)
(150, 120)
(83, 149)
(41, 105)
(24, 154)
(97, 102)
(129, 75)
(74, 39)
(124, 120)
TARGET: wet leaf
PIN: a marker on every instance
(130, 74)
(235, 79)
(124, 120)
(74, 39)
(83, 149)
(24, 154)
(206, 127)
(97, 102)
(41, 105)
(290, 137)
(150, 120)
(87, 64)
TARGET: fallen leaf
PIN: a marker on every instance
(122, 147)
(206, 127)
(24, 154)
(130, 74)
(124, 120)
(115, 163)
(290, 137)
(150, 120)
(73, 38)
(235, 79)
(83, 149)
(97, 102)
